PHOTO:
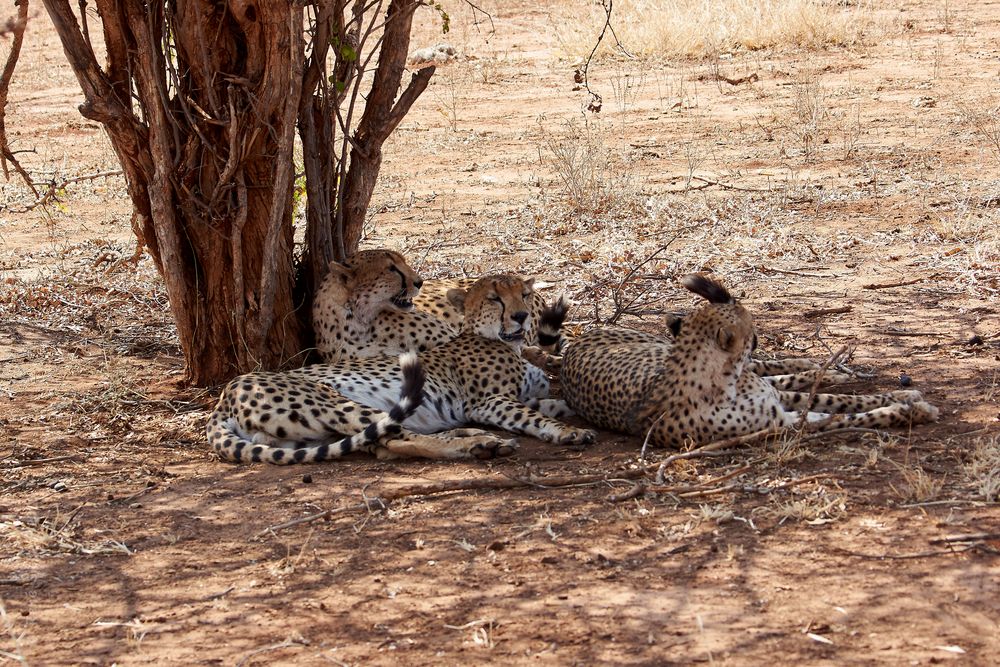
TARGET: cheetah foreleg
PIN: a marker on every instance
(551, 407)
(510, 415)
(764, 367)
(804, 380)
(548, 362)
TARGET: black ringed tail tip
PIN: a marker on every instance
(414, 377)
(707, 288)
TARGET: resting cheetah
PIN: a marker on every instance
(701, 387)
(784, 374)
(479, 377)
(373, 305)
(259, 415)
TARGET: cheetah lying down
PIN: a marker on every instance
(700, 386)
(479, 377)
(375, 304)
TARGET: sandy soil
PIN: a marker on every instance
(858, 179)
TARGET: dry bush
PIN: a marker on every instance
(592, 179)
(984, 119)
(701, 28)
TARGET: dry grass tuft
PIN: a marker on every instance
(816, 507)
(983, 470)
(15, 637)
(592, 179)
(918, 486)
(984, 120)
(40, 536)
(705, 28)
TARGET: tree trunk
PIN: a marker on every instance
(201, 100)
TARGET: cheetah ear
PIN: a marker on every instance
(342, 271)
(726, 339)
(673, 323)
(529, 283)
(456, 297)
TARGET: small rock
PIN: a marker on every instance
(976, 340)
(307, 479)
(905, 380)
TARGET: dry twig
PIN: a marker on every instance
(822, 312)
(903, 283)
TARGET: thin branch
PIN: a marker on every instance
(53, 187)
(6, 155)
(595, 100)
(903, 283)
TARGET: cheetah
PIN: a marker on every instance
(786, 374)
(478, 377)
(375, 304)
(260, 414)
(702, 386)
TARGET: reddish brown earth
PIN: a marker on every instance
(123, 541)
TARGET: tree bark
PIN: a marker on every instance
(201, 100)
(206, 147)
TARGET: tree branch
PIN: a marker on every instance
(284, 172)
(6, 155)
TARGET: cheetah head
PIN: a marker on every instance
(723, 324)
(497, 307)
(374, 281)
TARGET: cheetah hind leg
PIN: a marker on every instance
(460, 443)
(896, 415)
(847, 403)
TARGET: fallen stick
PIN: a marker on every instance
(821, 312)
(40, 462)
(686, 491)
(749, 78)
(899, 284)
(970, 537)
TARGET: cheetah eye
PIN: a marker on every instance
(527, 295)
(494, 298)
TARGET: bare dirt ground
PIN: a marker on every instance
(861, 179)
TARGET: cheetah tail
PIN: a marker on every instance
(550, 321)
(231, 445)
(707, 288)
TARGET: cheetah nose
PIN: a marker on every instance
(418, 282)
(519, 317)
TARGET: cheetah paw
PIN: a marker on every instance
(907, 395)
(922, 412)
(576, 436)
(493, 450)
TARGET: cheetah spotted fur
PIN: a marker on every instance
(375, 304)
(701, 386)
(300, 416)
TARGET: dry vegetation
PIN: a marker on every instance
(705, 28)
(845, 185)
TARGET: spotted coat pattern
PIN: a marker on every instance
(302, 416)
(375, 304)
(701, 386)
